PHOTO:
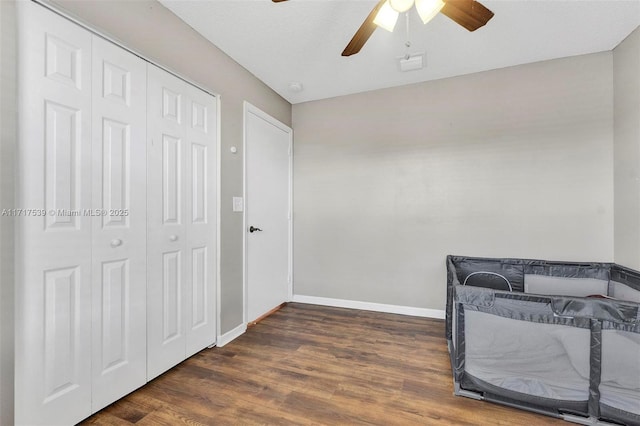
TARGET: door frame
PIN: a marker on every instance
(218, 278)
(251, 109)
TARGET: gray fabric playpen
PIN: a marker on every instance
(557, 338)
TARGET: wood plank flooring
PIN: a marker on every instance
(307, 364)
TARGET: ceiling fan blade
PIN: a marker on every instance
(364, 32)
(468, 13)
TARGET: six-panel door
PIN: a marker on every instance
(53, 315)
(181, 231)
(201, 208)
(119, 215)
(166, 255)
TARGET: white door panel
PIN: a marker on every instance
(53, 313)
(166, 254)
(119, 223)
(267, 151)
(182, 220)
(201, 208)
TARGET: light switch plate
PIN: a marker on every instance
(238, 204)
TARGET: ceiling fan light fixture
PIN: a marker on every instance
(427, 9)
(401, 5)
(386, 17)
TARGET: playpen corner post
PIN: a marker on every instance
(459, 344)
(595, 368)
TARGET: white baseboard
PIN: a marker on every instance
(231, 335)
(368, 306)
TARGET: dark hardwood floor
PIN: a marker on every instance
(309, 364)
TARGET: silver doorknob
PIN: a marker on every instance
(116, 242)
(173, 238)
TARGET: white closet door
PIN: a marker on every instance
(119, 223)
(201, 223)
(182, 211)
(167, 257)
(53, 321)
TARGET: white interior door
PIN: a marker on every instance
(119, 223)
(53, 312)
(267, 207)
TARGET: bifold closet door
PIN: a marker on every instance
(119, 234)
(181, 255)
(201, 223)
(81, 297)
(53, 312)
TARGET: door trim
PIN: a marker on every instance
(251, 109)
(218, 291)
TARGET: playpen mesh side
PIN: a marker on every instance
(500, 274)
(624, 284)
(578, 279)
(520, 356)
(620, 373)
(623, 292)
(503, 347)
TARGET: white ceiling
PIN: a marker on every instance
(301, 40)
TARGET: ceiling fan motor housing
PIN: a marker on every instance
(401, 5)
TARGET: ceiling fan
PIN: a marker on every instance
(471, 14)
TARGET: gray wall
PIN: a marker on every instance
(626, 77)
(151, 29)
(513, 162)
(7, 155)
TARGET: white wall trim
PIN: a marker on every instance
(231, 335)
(369, 306)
